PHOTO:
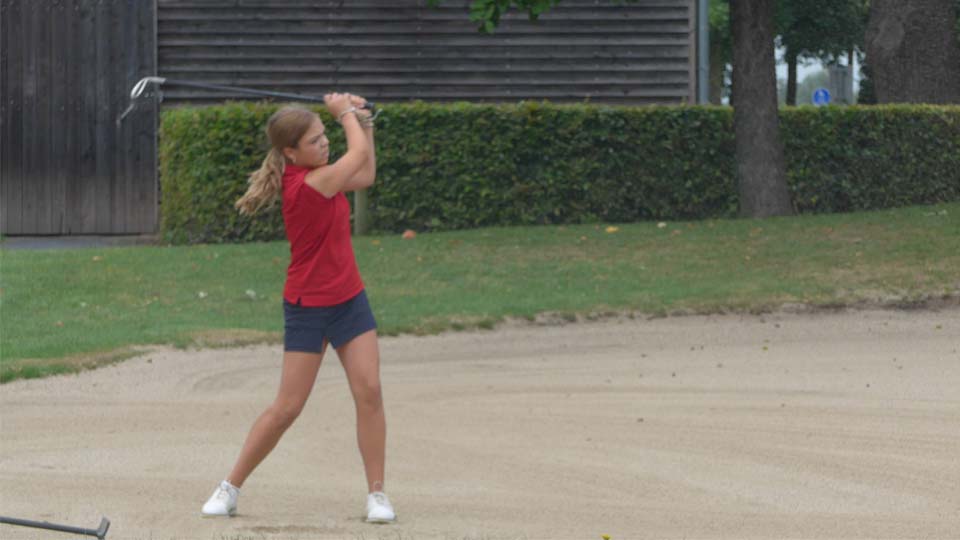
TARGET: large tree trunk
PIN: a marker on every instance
(912, 49)
(761, 168)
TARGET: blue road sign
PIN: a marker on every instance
(821, 96)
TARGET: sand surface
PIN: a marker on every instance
(828, 426)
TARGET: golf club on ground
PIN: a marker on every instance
(100, 532)
(141, 85)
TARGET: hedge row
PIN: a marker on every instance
(455, 166)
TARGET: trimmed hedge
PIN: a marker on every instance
(455, 166)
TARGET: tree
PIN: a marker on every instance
(761, 168)
(867, 94)
(487, 13)
(822, 29)
(912, 51)
(721, 47)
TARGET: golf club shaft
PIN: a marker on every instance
(141, 85)
(104, 525)
(249, 91)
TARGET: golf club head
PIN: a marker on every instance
(136, 92)
(141, 85)
(104, 527)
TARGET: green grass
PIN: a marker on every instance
(67, 308)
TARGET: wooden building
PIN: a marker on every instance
(67, 67)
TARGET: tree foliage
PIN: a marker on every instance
(721, 49)
(821, 29)
(487, 13)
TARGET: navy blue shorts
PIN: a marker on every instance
(306, 328)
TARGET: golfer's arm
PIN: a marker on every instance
(365, 177)
(333, 179)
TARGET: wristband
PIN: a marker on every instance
(350, 110)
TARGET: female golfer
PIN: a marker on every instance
(324, 299)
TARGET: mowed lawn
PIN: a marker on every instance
(64, 309)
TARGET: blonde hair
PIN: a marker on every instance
(284, 130)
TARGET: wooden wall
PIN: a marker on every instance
(66, 68)
(396, 50)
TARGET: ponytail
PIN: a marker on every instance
(284, 129)
(265, 185)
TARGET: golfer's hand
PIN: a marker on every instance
(356, 101)
(359, 103)
(337, 104)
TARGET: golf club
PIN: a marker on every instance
(99, 532)
(137, 91)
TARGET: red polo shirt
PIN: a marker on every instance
(323, 270)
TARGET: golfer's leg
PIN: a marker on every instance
(361, 361)
(296, 382)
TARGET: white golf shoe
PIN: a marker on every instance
(223, 502)
(379, 509)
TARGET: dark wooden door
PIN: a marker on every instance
(67, 166)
